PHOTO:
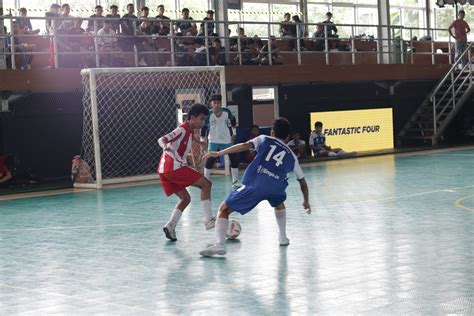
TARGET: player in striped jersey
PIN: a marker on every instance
(176, 176)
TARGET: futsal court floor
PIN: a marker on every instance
(388, 235)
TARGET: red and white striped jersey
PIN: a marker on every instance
(178, 146)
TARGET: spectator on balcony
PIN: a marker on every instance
(52, 13)
(275, 53)
(297, 145)
(331, 29)
(300, 31)
(210, 25)
(92, 25)
(185, 26)
(161, 27)
(461, 28)
(181, 51)
(107, 43)
(129, 21)
(25, 23)
(318, 38)
(116, 18)
(66, 10)
(21, 49)
(235, 39)
(287, 29)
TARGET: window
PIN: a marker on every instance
(316, 14)
(368, 16)
(343, 15)
(279, 11)
(253, 12)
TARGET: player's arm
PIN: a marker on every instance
(450, 30)
(5, 177)
(169, 138)
(231, 150)
(162, 141)
(304, 190)
(303, 186)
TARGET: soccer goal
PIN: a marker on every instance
(126, 110)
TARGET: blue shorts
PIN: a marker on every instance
(217, 147)
(246, 198)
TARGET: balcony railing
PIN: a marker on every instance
(63, 46)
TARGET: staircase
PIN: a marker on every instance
(440, 107)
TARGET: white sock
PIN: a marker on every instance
(175, 216)
(221, 230)
(332, 154)
(207, 208)
(207, 173)
(280, 216)
(341, 153)
(235, 174)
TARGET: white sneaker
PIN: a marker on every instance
(210, 224)
(236, 184)
(284, 241)
(142, 63)
(170, 232)
(213, 250)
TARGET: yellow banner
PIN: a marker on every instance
(357, 130)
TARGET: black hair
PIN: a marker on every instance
(145, 9)
(197, 109)
(287, 14)
(98, 7)
(281, 128)
(161, 6)
(130, 5)
(22, 10)
(184, 10)
(113, 6)
(255, 125)
(216, 97)
(461, 11)
(318, 124)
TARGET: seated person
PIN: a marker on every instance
(250, 155)
(21, 47)
(5, 173)
(186, 25)
(25, 23)
(317, 143)
(297, 145)
(263, 59)
(107, 43)
(160, 26)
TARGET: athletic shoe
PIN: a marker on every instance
(236, 184)
(284, 241)
(213, 250)
(169, 232)
(210, 224)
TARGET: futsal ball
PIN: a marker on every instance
(233, 231)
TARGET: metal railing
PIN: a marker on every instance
(386, 50)
(464, 64)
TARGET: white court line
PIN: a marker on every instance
(447, 190)
(466, 155)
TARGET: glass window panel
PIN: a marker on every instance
(368, 16)
(413, 18)
(343, 15)
(443, 18)
(196, 7)
(317, 12)
(255, 12)
(373, 2)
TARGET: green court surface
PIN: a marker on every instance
(388, 235)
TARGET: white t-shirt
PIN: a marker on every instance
(292, 144)
(220, 127)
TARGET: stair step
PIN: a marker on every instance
(418, 137)
(420, 130)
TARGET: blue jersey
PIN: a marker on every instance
(269, 170)
(317, 140)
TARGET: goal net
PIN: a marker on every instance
(126, 110)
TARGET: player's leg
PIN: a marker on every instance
(222, 224)
(234, 168)
(211, 160)
(205, 185)
(280, 216)
(169, 228)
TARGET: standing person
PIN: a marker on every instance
(161, 27)
(116, 18)
(220, 125)
(266, 178)
(461, 28)
(176, 176)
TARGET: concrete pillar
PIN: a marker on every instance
(383, 32)
(221, 14)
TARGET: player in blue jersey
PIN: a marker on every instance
(266, 178)
(317, 143)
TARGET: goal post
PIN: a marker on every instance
(126, 110)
